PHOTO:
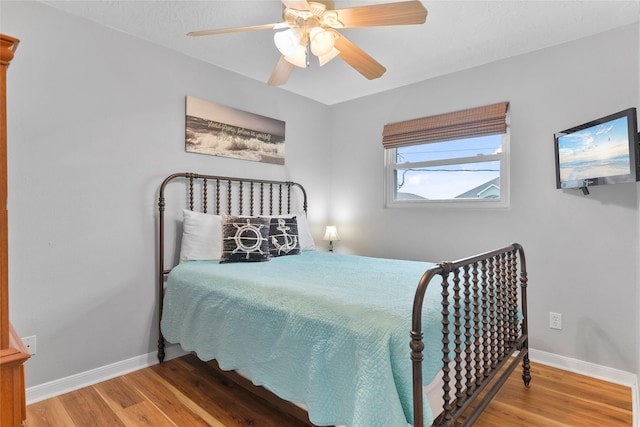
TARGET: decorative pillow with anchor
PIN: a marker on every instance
(283, 237)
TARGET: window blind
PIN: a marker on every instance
(474, 122)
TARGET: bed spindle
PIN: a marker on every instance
(467, 331)
(477, 305)
(446, 388)
(251, 198)
(191, 192)
(485, 320)
(240, 196)
(457, 333)
(476, 320)
(505, 334)
(503, 299)
(270, 199)
(491, 305)
(506, 306)
(204, 195)
(217, 196)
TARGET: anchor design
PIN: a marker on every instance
(289, 242)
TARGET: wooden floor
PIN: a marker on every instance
(187, 392)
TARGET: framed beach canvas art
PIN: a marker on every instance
(219, 130)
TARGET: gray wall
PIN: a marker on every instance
(96, 121)
(581, 250)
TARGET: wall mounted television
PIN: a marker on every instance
(602, 151)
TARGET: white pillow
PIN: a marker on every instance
(201, 236)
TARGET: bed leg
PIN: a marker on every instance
(161, 348)
(526, 370)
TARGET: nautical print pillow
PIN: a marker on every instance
(245, 239)
(304, 235)
(283, 237)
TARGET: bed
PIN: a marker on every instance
(354, 340)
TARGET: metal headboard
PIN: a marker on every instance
(224, 195)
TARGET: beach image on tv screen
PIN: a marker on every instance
(595, 152)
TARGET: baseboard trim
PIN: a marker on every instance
(74, 382)
(604, 373)
(64, 385)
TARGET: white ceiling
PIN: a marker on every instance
(457, 35)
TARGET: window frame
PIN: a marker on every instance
(391, 166)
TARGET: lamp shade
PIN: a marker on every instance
(331, 233)
(286, 41)
(299, 57)
(328, 57)
(321, 41)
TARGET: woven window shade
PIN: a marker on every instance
(481, 121)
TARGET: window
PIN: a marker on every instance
(454, 159)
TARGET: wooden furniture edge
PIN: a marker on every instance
(13, 353)
(12, 384)
(8, 46)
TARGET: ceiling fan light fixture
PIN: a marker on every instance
(299, 57)
(323, 59)
(321, 41)
(287, 41)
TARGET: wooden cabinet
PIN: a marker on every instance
(13, 353)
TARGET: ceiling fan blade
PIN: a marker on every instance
(360, 60)
(401, 13)
(276, 26)
(281, 72)
(297, 4)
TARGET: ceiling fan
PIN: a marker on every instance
(310, 26)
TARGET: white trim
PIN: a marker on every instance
(94, 376)
(592, 370)
(605, 373)
(74, 382)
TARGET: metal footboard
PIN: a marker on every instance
(484, 332)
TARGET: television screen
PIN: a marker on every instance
(603, 151)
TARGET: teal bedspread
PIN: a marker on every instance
(327, 330)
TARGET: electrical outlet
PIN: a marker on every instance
(30, 343)
(555, 320)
